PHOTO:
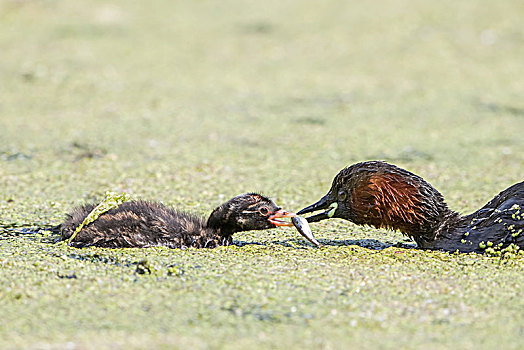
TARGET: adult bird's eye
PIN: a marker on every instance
(342, 195)
(264, 211)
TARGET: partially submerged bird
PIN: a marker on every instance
(148, 224)
(385, 196)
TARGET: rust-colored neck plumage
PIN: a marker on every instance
(385, 196)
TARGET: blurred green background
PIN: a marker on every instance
(193, 102)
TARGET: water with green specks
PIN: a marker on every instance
(191, 103)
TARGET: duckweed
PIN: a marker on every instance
(190, 103)
(110, 201)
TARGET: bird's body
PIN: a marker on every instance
(144, 224)
(385, 196)
(139, 224)
(499, 222)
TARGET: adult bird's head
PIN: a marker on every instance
(382, 195)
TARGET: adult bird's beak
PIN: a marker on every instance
(281, 214)
(323, 203)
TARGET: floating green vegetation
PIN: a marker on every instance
(110, 201)
(190, 103)
(507, 253)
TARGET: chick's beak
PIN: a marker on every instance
(281, 214)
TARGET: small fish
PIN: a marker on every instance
(303, 227)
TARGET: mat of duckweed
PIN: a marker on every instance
(280, 292)
(193, 102)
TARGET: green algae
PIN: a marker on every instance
(323, 295)
(111, 200)
(190, 103)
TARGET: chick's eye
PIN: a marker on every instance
(342, 195)
(264, 211)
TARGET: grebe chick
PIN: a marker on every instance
(385, 196)
(147, 224)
